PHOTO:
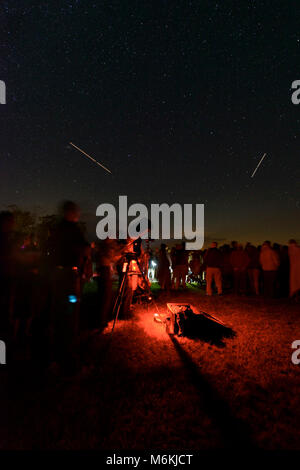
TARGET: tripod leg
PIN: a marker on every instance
(120, 296)
(143, 275)
(119, 292)
(118, 302)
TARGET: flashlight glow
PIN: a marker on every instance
(72, 299)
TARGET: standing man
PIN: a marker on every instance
(294, 255)
(67, 248)
(213, 264)
(105, 258)
(253, 268)
(163, 270)
(239, 261)
(269, 261)
(180, 266)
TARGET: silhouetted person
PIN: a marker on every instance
(105, 257)
(269, 261)
(180, 266)
(213, 264)
(253, 268)
(195, 265)
(234, 245)
(239, 261)
(284, 271)
(133, 255)
(67, 252)
(227, 270)
(163, 270)
(294, 255)
(173, 262)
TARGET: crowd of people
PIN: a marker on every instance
(41, 286)
(269, 270)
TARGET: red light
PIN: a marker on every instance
(133, 265)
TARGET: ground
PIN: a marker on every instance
(142, 389)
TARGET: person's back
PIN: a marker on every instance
(253, 268)
(213, 263)
(68, 243)
(173, 257)
(180, 266)
(179, 256)
(227, 270)
(107, 253)
(163, 271)
(213, 258)
(294, 256)
(268, 258)
(253, 254)
(67, 252)
(195, 263)
(239, 259)
(163, 260)
(226, 265)
(269, 261)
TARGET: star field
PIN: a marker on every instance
(180, 99)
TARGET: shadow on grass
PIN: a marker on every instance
(209, 331)
(235, 432)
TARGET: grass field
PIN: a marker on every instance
(141, 389)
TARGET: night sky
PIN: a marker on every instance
(180, 99)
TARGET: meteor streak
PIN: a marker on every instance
(258, 165)
(91, 158)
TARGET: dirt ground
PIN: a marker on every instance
(143, 389)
